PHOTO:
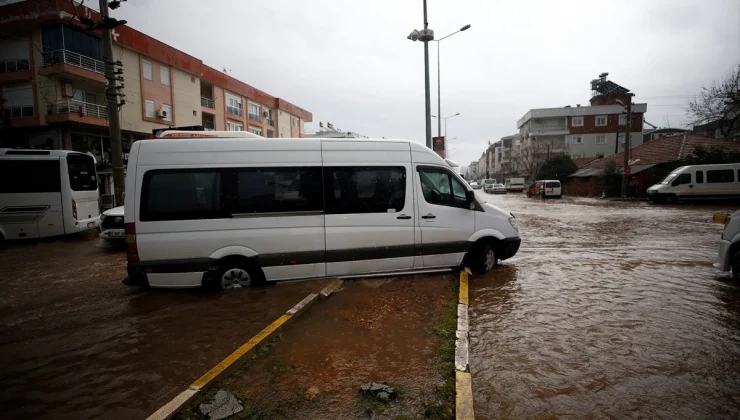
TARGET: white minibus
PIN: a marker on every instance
(231, 210)
(47, 193)
(698, 182)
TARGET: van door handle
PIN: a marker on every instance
(691, 186)
(429, 216)
(403, 217)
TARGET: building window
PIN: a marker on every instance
(254, 112)
(164, 75)
(577, 121)
(577, 139)
(270, 133)
(18, 102)
(147, 69)
(255, 130)
(601, 120)
(720, 176)
(576, 155)
(279, 190)
(233, 127)
(233, 104)
(149, 104)
(622, 119)
(167, 112)
(270, 120)
(181, 195)
(600, 139)
(365, 189)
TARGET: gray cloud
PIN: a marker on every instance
(350, 62)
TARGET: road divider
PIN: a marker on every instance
(240, 355)
(463, 382)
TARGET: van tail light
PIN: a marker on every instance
(132, 252)
(74, 209)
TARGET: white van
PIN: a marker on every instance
(698, 182)
(47, 193)
(551, 188)
(235, 210)
(728, 255)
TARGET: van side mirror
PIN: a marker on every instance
(470, 195)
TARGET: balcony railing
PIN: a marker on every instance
(14, 65)
(83, 109)
(73, 58)
(271, 122)
(15, 112)
(207, 102)
(234, 110)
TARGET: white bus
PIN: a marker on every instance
(47, 193)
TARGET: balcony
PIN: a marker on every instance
(234, 110)
(15, 70)
(72, 110)
(207, 102)
(548, 130)
(72, 64)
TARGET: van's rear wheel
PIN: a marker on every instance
(236, 274)
(484, 259)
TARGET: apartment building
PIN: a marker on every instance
(52, 87)
(596, 130)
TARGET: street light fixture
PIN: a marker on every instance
(445, 118)
(439, 78)
(425, 35)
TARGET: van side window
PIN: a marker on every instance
(441, 188)
(720, 175)
(278, 190)
(364, 189)
(181, 195)
(699, 177)
(682, 179)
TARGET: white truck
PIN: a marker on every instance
(514, 184)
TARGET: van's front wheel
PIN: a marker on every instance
(484, 259)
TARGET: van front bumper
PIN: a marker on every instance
(508, 247)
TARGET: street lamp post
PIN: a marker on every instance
(425, 35)
(440, 123)
(439, 78)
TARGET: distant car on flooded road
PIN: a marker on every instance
(475, 185)
(498, 189)
(111, 224)
(728, 256)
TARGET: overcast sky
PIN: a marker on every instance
(349, 62)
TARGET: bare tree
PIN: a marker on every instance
(719, 103)
(529, 156)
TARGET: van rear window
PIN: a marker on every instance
(552, 184)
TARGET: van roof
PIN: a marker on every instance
(28, 153)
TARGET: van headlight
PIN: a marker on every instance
(102, 216)
(514, 224)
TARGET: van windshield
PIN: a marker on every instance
(668, 179)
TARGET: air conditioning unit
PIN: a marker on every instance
(162, 113)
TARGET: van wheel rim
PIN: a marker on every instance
(235, 278)
(490, 260)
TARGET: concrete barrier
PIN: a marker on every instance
(463, 382)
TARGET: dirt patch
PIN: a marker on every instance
(397, 331)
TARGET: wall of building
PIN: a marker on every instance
(132, 113)
(186, 93)
(590, 148)
(219, 102)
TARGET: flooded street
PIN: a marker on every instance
(609, 310)
(75, 343)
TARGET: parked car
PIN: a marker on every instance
(728, 256)
(698, 182)
(244, 210)
(111, 224)
(498, 189)
(515, 184)
(535, 189)
(488, 185)
(475, 185)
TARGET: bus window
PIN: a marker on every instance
(29, 176)
(82, 176)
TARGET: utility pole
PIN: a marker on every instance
(111, 95)
(426, 81)
(627, 146)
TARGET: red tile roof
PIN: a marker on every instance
(665, 149)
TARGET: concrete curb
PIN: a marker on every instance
(240, 355)
(463, 381)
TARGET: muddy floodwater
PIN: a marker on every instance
(608, 311)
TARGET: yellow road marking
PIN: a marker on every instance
(463, 287)
(239, 353)
(464, 397)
